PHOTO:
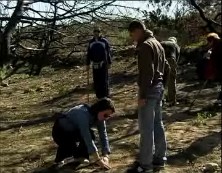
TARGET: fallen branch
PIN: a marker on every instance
(29, 48)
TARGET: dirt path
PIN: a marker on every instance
(27, 106)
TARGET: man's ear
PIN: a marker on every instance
(100, 115)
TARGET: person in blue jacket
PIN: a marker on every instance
(73, 134)
(98, 54)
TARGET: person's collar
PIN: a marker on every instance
(147, 34)
(91, 112)
(98, 38)
(216, 41)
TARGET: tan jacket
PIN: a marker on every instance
(151, 62)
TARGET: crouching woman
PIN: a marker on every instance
(73, 134)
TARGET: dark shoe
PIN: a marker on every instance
(158, 164)
(136, 168)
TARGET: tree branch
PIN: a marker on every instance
(29, 48)
(60, 18)
(14, 19)
(202, 15)
(219, 14)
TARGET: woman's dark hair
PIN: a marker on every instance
(136, 25)
(102, 105)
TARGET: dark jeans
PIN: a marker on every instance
(101, 82)
(67, 141)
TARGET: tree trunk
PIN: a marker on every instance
(209, 22)
(5, 40)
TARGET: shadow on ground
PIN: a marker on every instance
(68, 97)
(198, 85)
(122, 78)
(69, 168)
(186, 115)
(25, 123)
(198, 148)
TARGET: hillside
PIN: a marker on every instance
(27, 107)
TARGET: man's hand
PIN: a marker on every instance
(87, 68)
(103, 164)
(142, 102)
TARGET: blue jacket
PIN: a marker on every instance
(83, 120)
(98, 50)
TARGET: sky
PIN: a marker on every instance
(134, 4)
(142, 5)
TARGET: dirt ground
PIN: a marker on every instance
(27, 107)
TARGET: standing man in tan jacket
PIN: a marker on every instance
(151, 64)
(172, 54)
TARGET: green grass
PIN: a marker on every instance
(202, 118)
(202, 41)
(3, 72)
(31, 147)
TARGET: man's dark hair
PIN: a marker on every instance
(136, 25)
(102, 105)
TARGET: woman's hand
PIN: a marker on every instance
(103, 164)
(106, 159)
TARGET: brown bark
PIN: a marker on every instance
(208, 21)
(5, 40)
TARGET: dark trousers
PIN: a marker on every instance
(70, 142)
(101, 82)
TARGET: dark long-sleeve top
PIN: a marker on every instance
(151, 62)
(82, 119)
(98, 50)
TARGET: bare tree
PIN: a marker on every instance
(5, 40)
(211, 23)
(46, 25)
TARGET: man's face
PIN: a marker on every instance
(136, 35)
(96, 33)
(105, 115)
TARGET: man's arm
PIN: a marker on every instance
(101, 126)
(146, 69)
(177, 53)
(166, 72)
(88, 56)
(109, 59)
